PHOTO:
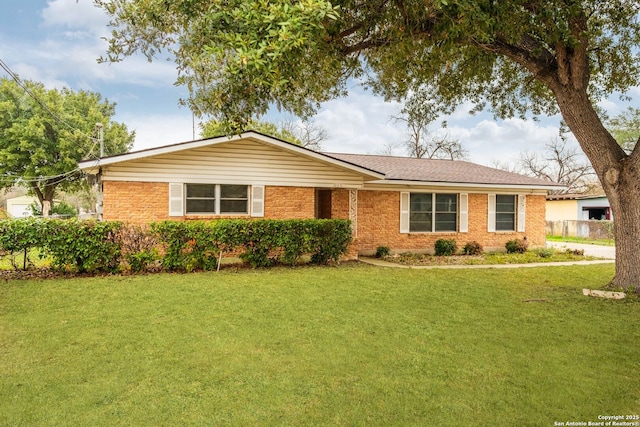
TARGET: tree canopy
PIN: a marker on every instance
(240, 57)
(625, 128)
(45, 133)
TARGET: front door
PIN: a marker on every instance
(323, 204)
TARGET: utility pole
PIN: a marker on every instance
(100, 128)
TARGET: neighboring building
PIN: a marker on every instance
(402, 203)
(578, 207)
(20, 207)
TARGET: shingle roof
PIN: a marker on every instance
(575, 196)
(431, 170)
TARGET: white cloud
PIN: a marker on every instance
(74, 15)
(360, 123)
(74, 51)
(612, 108)
(503, 140)
(38, 74)
(160, 129)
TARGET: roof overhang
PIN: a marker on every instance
(93, 166)
(479, 186)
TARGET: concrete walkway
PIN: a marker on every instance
(607, 252)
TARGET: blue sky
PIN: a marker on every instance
(57, 43)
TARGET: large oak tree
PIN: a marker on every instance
(239, 57)
(44, 133)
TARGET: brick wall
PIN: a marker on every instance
(135, 202)
(379, 225)
(289, 203)
(144, 202)
(378, 214)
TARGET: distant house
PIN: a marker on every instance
(402, 203)
(577, 207)
(20, 206)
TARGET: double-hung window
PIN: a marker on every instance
(234, 199)
(215, 199)
(505, 212)
(201, 199)
(431, 212)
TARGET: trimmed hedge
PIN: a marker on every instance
(109, 246)
(261, 243)
(80, 246)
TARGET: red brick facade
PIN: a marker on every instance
(378, 214)
(135, 202)
(379, 224)
(289, 203)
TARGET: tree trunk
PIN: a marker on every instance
(45, 198)
(619, 175)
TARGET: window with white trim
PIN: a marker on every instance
(505, 212)
(201, 198)
(216, 199)
(433, 212)
(234, 199)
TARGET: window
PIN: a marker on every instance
(505, 212)
(234, 199)
(421, 213)
(201, 198)
(216, 199)
(433, 212)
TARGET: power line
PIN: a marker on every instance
(24, 87)
(65, 175)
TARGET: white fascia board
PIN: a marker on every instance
(93, 166)
(312, 154)
(479, 186)
(149, 152)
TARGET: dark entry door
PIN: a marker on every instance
(323, 204)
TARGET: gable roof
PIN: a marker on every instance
(376, 169)
(94, 165)
(402, 169)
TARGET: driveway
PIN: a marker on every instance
(593, 250)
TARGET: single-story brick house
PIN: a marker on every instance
(403, 203)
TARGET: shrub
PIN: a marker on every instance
(90, 246)
(61, 209)
(472, 248)
(445, 247)
(138, 247)
(83, 246)
(330, 238)
(383, 251)
(519, 246)
(191, 245)
(577, 252)
(187, 245)
(18, 237)
(545, 252)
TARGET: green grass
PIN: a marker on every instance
(584, 240)
(355, 346)
(10, 261)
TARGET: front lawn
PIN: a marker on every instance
(352, 345)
